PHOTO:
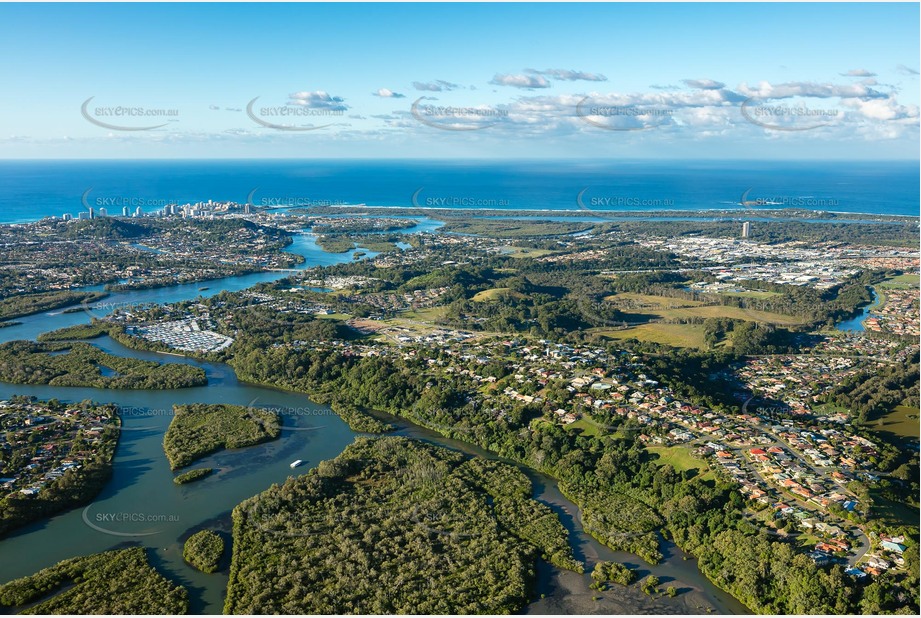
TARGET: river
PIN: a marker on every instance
(855, 324)
(141, 504)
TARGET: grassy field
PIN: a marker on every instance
(807, 541)
(649, 301)
(334, 316)
(828, 408)
(901, 282)
(587, 426)
(494, 293)
(899, 424)
(891, 512)
(677, 308)
(526, 252)
(677, 335)
(429, 314)
(752, 294)
(681, 459)
(719, 311)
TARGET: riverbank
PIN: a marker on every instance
(856, 324)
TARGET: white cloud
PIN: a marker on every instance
(386, 93)
(766, 90)
(859, 73)
(529, 82)
(318, 100)
(882, 109)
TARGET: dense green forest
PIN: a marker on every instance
(393, 526)
(358, 420)
(81, 364)
(619, 521)
(199, 429)
(203, 550)
(113, 582)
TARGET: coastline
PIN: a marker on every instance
(741, 213)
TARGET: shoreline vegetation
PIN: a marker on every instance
(30, 304)
(199, 429)
(192, 475)
(404, 509)
(81, 364)
(113, 582)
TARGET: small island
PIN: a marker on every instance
(201, 429)
(203, 550)
(193, 475)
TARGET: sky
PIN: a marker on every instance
(442, 81)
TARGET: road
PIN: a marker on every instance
(861, 544)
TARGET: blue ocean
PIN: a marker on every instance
(30, 190)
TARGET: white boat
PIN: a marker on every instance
(295, 464)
